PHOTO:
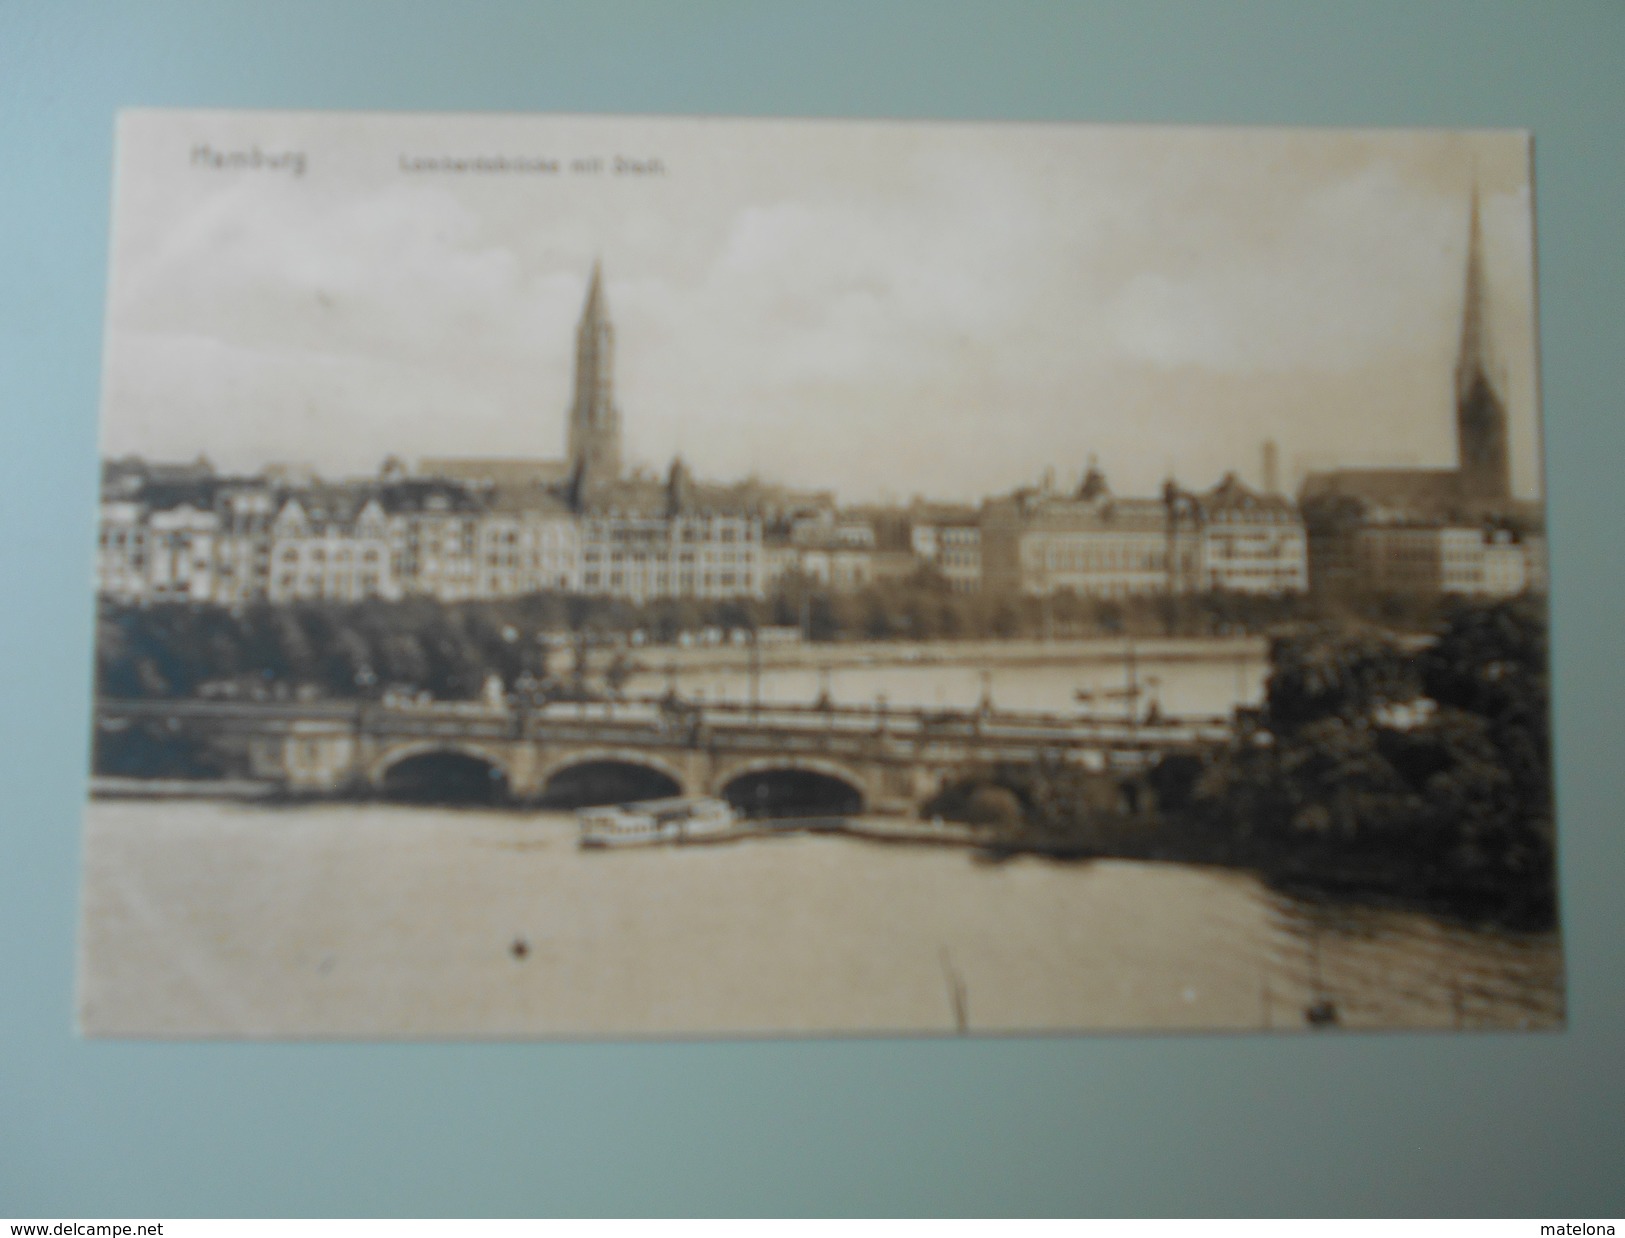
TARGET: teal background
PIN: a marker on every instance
(1386, 1124)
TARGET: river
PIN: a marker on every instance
(224, 919)
(1183, 677)
(378, 921)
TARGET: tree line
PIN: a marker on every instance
(365, 649)
(1374, 770)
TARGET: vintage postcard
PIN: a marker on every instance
(629, 577)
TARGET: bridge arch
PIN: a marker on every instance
(608, 776)
(442, 772)
(792, 786)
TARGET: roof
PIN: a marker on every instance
(1408, 492)
(423, 495)
(499, 471)
(1060, 515)
(1230, 495)
(650, 496)
(330, 505)
(523, 500)
(928, 512)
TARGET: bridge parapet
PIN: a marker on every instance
(894, 757)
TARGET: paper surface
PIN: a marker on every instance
(639, 577)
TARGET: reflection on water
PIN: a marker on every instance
(1382, 967)
(382, 920)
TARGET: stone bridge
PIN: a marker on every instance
(837, 759)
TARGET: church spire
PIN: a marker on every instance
(1474, 358)
(595, 309)
(595, 422)
(1481, 419)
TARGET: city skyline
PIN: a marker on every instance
(776, 319)
(871, 768)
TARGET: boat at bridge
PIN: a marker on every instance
(679, 819)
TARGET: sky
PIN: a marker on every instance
(884, 309)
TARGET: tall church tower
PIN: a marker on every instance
(1481, 417)
(595, 422)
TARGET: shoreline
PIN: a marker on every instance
(841, 655)
(227, 790)
(1347, 888)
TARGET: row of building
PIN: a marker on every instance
(459, 529)
(186, 534)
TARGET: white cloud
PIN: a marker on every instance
(1365, 268)
(897, 308)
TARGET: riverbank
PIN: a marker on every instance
(373, 921)
(1311, 871)
(853, 655)
(114, 787)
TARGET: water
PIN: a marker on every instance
(380, 921)
(1039, 678)
(235, 919)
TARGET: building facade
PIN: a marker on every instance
(949, 538)
(333, 545)
(1091, 543)
(1252, 542)
(697, 553)
(1428, 560)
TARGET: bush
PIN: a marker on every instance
(995, 807)
(1411, 774)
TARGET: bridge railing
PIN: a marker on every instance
(667, 722)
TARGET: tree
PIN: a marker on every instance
(1318, 675)
(1422, 774)
(998, 808)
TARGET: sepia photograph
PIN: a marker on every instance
(628, 577)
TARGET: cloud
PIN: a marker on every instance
(1364, 267)
(391, 274)
(938, 308)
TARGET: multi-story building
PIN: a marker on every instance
(829, 529)
(780, 560)
(1090, 543)
(331, 543)
(121, 554)
(840, 551)
(180, 554)
(700, 551)
(949, 538)
(243, 545)
(1251, 542)
(431, 537)
(435, 538)
(528, 542)
(1534, 559)
(840, 569)
(196, 539)
(456, 543)
(1432, 559)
